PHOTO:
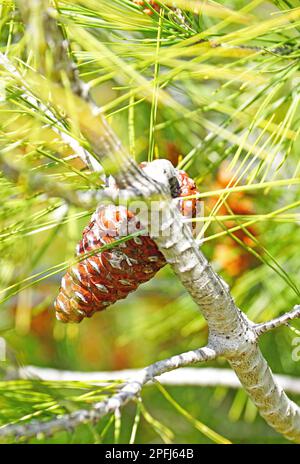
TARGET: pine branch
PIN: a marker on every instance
(130, 391)
(279, 321)
(92, 123)
(58, 127)
(41, 184)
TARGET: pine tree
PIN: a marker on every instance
(213, 87)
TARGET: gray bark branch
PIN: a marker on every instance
(279, 321)
(130, 391)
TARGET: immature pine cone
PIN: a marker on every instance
(100, 280)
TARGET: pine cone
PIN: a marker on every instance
(100, 280)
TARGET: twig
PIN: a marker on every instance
(281, 320)
(131, 390)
